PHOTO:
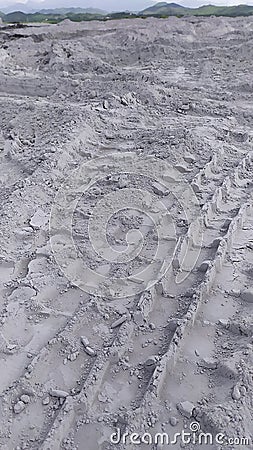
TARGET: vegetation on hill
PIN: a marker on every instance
(20, 17)
(73, 10)
(173, 9)
(161, 9)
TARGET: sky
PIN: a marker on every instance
(112, 5)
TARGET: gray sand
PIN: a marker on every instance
(89, 343)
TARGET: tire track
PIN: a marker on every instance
(148, 380)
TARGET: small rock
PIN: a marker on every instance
(185, 107)
(46, 400)
(181, 168)
(204, 266)
(173, 421)
(59, 393)
(124, 101)
(25, 399)
(243, 390)
(247, 295)
(105, 104)
(186, 409)
(90, 351)
(151, 361)
(224, 323)
(176, 264)
(11, 347)
(138, 318)
(235, 292)
(102, 398)
(85, 341)
(123, 182)
(159, 189)
(196, 188)
(119, 321)
(189, 158)
(208, 363)
(39, 219)
(236, 394)
(189, 293)
(19, 407)
(73, 356)
(228, 367)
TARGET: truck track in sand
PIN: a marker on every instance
(177, 90)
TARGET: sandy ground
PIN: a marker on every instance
(89, 343)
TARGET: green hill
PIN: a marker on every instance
(20, 17)
(173, 9)
(73, 11)
(161, 9)
(15, 17)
